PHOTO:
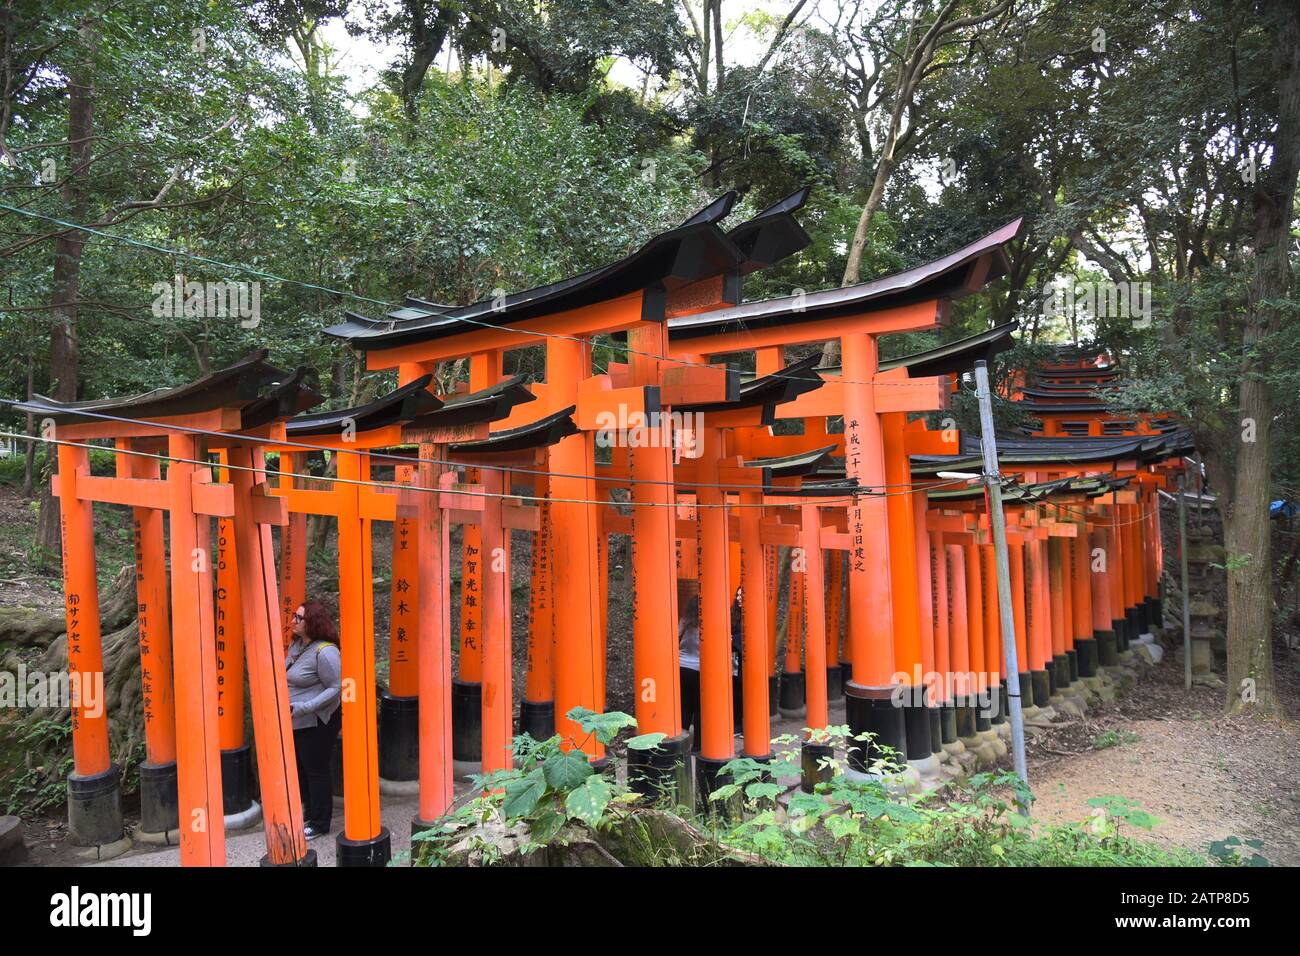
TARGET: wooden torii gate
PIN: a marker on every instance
(632, 296)
(238, 409)
(856, 316)
(717, 479)
(1060, 522)
(361, 438)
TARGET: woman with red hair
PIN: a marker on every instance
(315, 678)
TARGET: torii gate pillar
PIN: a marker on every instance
(869, 695)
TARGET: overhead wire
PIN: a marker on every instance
(405, 459)
(253, 270)
(397, 487)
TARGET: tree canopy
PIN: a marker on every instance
(506, 143)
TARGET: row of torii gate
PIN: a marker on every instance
(893, 556)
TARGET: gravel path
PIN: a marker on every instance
(1206, 776)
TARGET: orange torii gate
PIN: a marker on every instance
(239, 410)
(881, 646)
(438, 500)
(691, 263)
(716, 480)
(1059, 524)
(912, 583)
(634, 296)
(409, 415)
(351, 434)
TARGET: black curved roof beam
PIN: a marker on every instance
(235, 386)
(487, 405)
(1060, 394)
(771, 390)
(1066, 387)
(795, 466)
(539, 434)
(924, 465)
(1071, 407)
(1148, 445)
(773, 234)
(695, 250)
(950, 277)
(1016, 493)
(291, 397)
(833, 488)
(956, 357)
(401, 405)
(414, 308)
(951, 359)
(1109, 371)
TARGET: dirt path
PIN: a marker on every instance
(1205, 776)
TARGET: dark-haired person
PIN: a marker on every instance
(315, 672)
(688, 655)
(688, 638)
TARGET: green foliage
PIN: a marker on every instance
(1122, 809)
(30, 789)
(849, 821)
(548, 787)
(865, 823)
(605, 726)
(1235, 851)
(868, 822)
(1114, 738)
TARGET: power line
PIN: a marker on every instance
(402, 487)
(628, 350)
(435, 461)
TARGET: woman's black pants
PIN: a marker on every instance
(690, 684)
(314, 747)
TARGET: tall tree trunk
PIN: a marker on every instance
(853, 269)
(717, 45)
(64, 358)
(426, 39)
(1246, 526)
(1250, 568)
(852, 272)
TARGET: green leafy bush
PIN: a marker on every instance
(850, 820)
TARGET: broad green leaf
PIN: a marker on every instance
(769, 839)
(589, 801)
(725, 792)
(841, 826)
(522, 795)
(564, 771)
(604, 726)
(807, 805)
(547, 824)
(646, 741)
(760, 791)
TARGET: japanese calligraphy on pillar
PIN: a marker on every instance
(471, 593)
(403, 604)
(145, 627)
(541, 610)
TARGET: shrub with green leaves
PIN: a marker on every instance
(553, 797)
(549, 787)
